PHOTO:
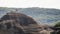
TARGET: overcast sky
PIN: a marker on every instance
(30, 3)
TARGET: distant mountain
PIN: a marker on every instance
(41, 15)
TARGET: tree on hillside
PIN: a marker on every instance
(57, 25)
(56, 28)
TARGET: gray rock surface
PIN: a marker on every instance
(17, 23)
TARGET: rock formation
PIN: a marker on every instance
(17, 23)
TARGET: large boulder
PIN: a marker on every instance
(17, 23)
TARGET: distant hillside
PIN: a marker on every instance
(41, 15)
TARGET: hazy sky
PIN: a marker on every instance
(30, 3)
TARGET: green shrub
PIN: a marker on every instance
(57, 25)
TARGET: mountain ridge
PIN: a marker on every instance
(43, 15)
